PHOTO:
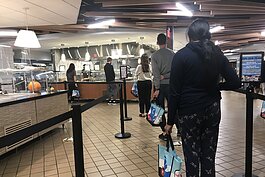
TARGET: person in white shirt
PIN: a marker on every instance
(143, 74)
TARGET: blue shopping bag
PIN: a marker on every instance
(169, 163)
(76, 93)
(134, 90)
(155, 114)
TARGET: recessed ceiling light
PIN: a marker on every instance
(8, 33)
(216, 29)
(102, 24)
(184, 9)
(262, 33)
(1, 45)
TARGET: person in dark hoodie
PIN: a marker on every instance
(195, 94)
(110, 77)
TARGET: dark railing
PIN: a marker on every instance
(250, 96)
(75, 114)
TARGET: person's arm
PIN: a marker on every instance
(175, 86)
(232, 81)
(156, 73)
(156, 76)
(165, 76)
(137, 72)
(112, 70)
(74, 76)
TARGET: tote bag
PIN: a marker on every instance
(75, 93)
(155, 113)
(169, 163)
(134, 90)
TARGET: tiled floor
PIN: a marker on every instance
(137, 156)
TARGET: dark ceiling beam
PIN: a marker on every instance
(121, 3)
(232, 3)
(237, 12)
(140, 15)
(130, 25)
(204, 7)
(236, 36)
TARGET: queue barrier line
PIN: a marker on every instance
(76, 116)
(29, 131)
(250, 96)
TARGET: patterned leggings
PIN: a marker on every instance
(199, 133)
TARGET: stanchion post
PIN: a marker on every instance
(249, 133)
(122, 134)
(78, 141)
(65, 85)
(126, 118)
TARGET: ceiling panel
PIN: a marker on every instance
(48, 12)
(68, 9)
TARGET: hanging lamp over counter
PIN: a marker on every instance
(63, 57)
(27, 38)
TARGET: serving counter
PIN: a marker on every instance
(93, 90)
(21, 110)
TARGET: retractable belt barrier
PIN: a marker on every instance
(75, 114)
(250, 96)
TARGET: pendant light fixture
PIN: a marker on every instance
(87, 55)
(141, 51)
(63, 58)
(27, 38)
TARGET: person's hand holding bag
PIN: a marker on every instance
(168, 129)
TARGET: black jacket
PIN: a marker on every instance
(192, 88)
(109, 72)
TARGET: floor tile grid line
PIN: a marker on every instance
(95, 125)
(103, 156)
(6, 165)
(67, 156)
(57, 167)
(34, 149)
(86, 123)
(155, 148)
(20, 165)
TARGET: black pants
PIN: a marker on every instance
(163, 94)
(144, 93)
(199, 133)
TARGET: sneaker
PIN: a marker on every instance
(162, 137)
(114, 102)
(177, 143)
(141, 115)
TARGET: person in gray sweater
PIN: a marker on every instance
(161, 66)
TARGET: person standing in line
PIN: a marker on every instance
(195, 94)
(71, 78)
(161, 66)
(110, 77)
(143, 74)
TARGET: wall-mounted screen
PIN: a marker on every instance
(251, 66)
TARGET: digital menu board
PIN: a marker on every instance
(251, 65)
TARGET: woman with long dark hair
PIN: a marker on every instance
(195, 95)
(143, 74)
(71, 78)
